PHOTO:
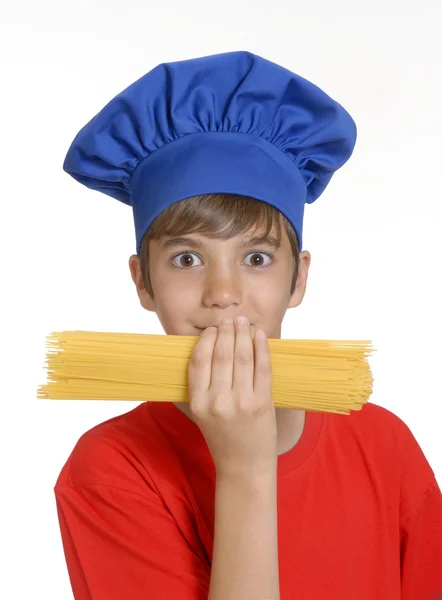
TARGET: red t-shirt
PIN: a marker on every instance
(359, 510)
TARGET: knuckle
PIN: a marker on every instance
(198, 358)
(221, 406)
(222, 356)
(244, 358)
(246, 405)
(197, 409)
(266, 372)
(265, 364)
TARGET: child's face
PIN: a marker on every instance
(198, 285)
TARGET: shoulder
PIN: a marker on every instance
(122, 452)
(382, 439)
(389, 438)
(382, 425)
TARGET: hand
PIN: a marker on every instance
(230, 384)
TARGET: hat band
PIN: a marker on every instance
(216, 162)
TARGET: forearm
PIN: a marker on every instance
(245, 553)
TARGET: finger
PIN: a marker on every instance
(222, 361)
(243, 360)
(200, 365)
(262, 381)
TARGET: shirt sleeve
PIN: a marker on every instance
(421, 549)
(120, 544)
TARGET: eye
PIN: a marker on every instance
(187, 259)
(184, 262)
(259, 255)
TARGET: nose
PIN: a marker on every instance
(222, 289)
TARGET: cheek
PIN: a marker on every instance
(272, 288)
(172, 296)
(269, 296)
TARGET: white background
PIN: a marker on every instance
(374, 235)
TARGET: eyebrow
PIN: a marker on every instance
(269, 241)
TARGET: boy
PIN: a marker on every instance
(228, 497)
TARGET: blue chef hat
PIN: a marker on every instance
(228, 123)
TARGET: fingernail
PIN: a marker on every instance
(242, 320)
(227, 321)
(260, 335)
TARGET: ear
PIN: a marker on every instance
(146, 300)
(301, 283)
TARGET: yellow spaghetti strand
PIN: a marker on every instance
(318, 375)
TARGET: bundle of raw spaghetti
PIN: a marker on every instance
(329, 376)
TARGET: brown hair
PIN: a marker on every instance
(220, 216)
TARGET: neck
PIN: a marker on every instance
(289, 422)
